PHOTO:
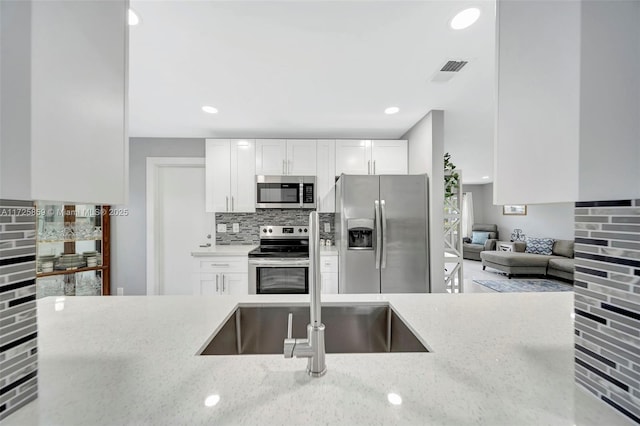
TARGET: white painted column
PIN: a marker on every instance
(426, 153)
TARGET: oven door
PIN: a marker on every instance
(279, 276)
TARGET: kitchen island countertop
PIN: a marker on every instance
(498, 359)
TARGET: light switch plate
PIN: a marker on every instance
(236, 227)
(327, 227)
(222, 227)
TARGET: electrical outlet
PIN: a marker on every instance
(120, 291)
(236, 227)
(327, 227)
(222, 227)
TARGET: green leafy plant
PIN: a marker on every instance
(451, 177)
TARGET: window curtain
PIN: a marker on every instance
(467, 214)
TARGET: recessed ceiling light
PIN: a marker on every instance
(211, 400)
(391, 110)
(210, 109)
(465, 19)
(133, 18)
(485, 177)
(394, 398)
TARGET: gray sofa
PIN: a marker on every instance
(559, 264)
(472, 251)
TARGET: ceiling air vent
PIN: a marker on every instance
(453, 66)
(447, 71)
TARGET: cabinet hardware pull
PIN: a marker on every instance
(374, 167)
(219, 264)
(223, 284)
(232, 203)
(369, 167)
(217, 286)
(227, 205)
(284, 167)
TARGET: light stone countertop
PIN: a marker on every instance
(498, 359)
(223, 250)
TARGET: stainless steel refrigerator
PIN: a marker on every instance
(382, 233)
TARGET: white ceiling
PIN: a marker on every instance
(310, 69)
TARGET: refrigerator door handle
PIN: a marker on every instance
(384, 235)
(378, 248)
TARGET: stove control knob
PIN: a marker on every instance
(270, 230)
(299, 229)
(264, 230)
(305, 229)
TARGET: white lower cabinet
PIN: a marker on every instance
(329, 273)
(219, 276)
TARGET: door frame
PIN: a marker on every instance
(154, 165)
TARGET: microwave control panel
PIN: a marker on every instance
(307, 194)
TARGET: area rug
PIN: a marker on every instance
(520, 286)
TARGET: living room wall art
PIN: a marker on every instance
(514, 209)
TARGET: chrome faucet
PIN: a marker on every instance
(313, 346)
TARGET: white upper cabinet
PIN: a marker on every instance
(326, 172)
(285, 157)
(301, 157)
(217, 175)
(389, 157)
(371, 157)
(353, 157)
(230, 175)
(243, 176)
(271, 157)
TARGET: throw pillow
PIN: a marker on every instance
(539, 246)
(479, 237)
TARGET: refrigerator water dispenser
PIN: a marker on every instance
(360, 234)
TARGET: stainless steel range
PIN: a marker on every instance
(280, 265)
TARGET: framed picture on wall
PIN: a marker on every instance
(516, 209)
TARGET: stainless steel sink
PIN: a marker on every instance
(252, 330)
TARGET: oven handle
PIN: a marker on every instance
(282, 263)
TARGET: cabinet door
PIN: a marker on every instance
(234, 284)
(389, 157)
(271, 157)
(208, 285)
(353, 157)
(217, 175)
(326, 172)
(243, 179)
(329, 283)
(301, 157)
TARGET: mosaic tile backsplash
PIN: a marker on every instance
(607, 302)
(18, 319)
(249, 223)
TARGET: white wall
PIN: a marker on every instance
(78, 101)
(536, 145)
(15, 96)
(610, 101)
(426, 151)
(128, 242)
(555, 220)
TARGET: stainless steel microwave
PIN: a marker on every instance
(285, 192)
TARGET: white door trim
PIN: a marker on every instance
(154, 164)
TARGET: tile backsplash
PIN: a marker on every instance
(18, 315)
(607, 302)
(249, 223)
